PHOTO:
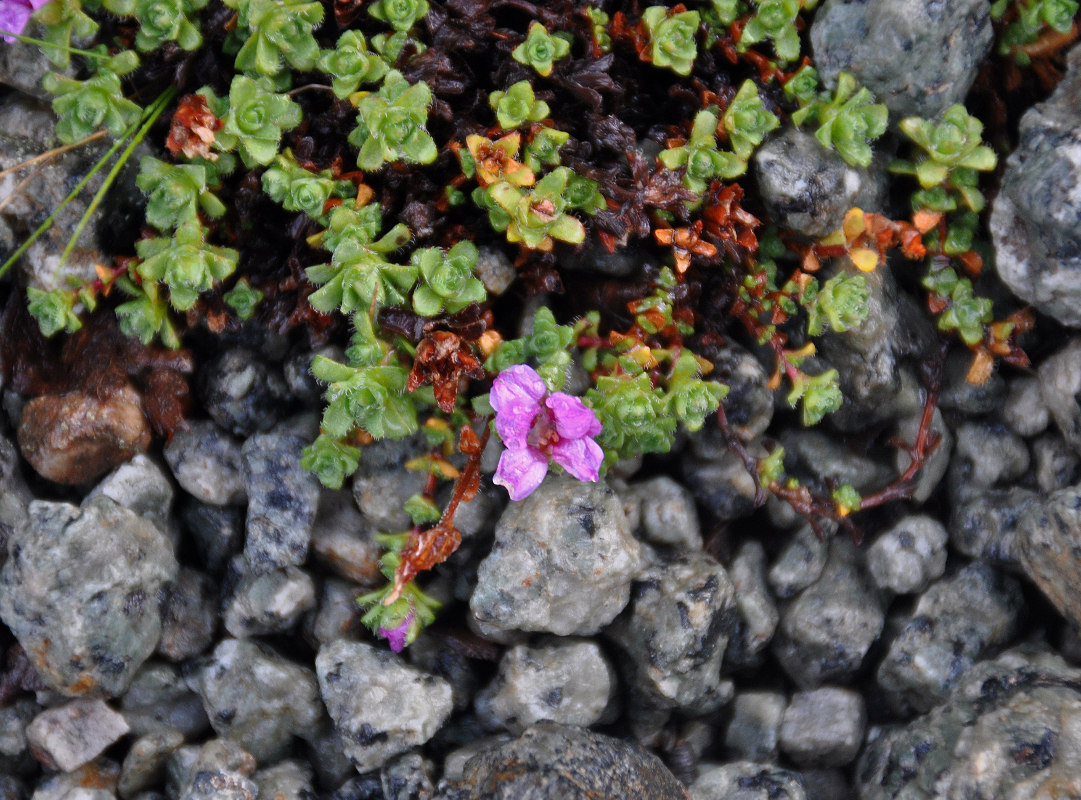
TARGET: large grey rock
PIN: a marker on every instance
(220, 770)
(568, 681)
(81, 593)
(983, 524)
(15, 495)
(258, 699)
(908, 555)
(1036, 217)
(824, 726)
(269, 603)
(562, 561)
(1050, 539)
(1060, 387)
(560, 762)
(755, 727)
(676, 629)
(808, 188)
(68, 736)
(159, 700)
(1011, 728)
(243, 393)
(282, 501)
(380, 706)
(827, 629)
(758, 614)
(746, 780)
(720, 484)
(22, 66)
(958, 621)
(206, 462)
(917, 56)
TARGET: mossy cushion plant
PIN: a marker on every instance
(402, 176)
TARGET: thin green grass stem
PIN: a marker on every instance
(43, 43)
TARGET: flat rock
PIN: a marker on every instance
(68, 736)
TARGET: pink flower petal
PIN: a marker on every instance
(396, 636)
(13, 17)
(521, 471)
(580, 457)
(517, 384)
(573, 418)
(514, 420)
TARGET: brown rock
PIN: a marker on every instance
(74, 438)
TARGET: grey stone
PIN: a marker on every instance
(1024, 409)
(567, 681)
(681, 616)
(1049, 535)
(382, 484)
(337, 614)
(27, 125)
(800, 562)
(286, 780)
(297, 371)
(1011, 728)
(1036, 217)
(81, 593)
(755, 727)
(808, 188)
(559, 762)
(15, 496)
(258, 699)
(380, 706)
(746, 780)
(159, 700)
(934, 468)
(970, 399)
(144, 765)
(957, 621)
(454, 763)
(139, 485)
(721, 485)
(68, 736)
(983, 524)
(827, 629)
(328, 759)
(216, 531)
(269, 603)
(11, 788)
(94, 781)
(917, 56)
(987, 453)
(908, 555)
(206, 462)
(22, 66)
(494, 270)
(344, 540)
(1060, 386)
(1057, 464)
(283, 497)
(826, 784)
(189, 616)
(13, 721)
(823, 727)
(562, 561)
(407, 777)
(876, 384)
(221, 770)
(758, 614)
(243, 393)
(748, 406)
(667, 513)
(821, 460)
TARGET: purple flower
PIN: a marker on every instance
(396, 635)
(14, 14)
(536, 426)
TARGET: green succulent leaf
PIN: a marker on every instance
(147, 315)
(542, 149)
(540, 50)
(747, 120)
(517, 106)
(774, 20)
(399, 14)
(448, 280)
(299, 189)
(350, 64)
(672, 38)
(332, 460)
(359, 275)
(185, 263)
(840, 304)
(279, 34)
(391, 125)
(372, 398)
(255, 121)
(818, 395)
(84, 107)
(54, 310)
(633, 416)
(243, 298)
(175, 193)
(162, 21)
(63, 19)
